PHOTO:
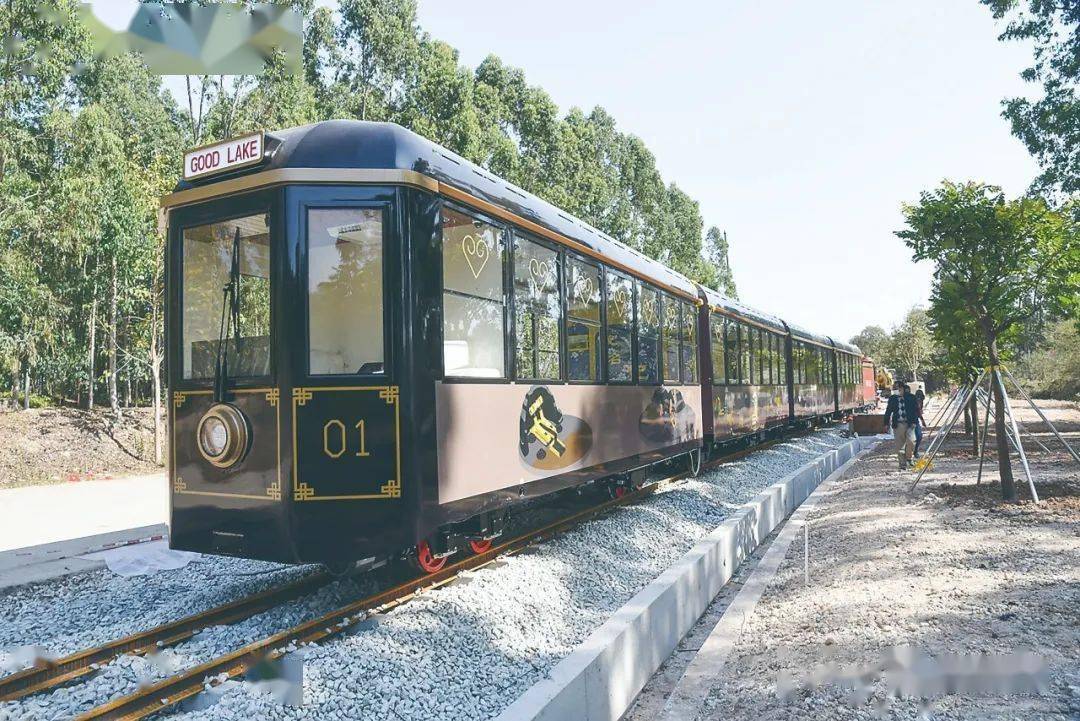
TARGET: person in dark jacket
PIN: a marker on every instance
(903, 411)
(920, 401)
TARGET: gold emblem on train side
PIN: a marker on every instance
(549, 439)
(667, 418)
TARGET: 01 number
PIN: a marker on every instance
(335, 441)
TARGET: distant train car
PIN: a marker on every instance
(869, 383)
(377, 349)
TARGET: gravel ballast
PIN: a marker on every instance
(463, 652)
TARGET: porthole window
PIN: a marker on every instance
(473, 308)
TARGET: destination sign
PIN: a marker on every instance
(226, 155)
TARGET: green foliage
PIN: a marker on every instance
(84, 158)
(1049, 125)
(1053, 371)
(911, 345)
(872, 341)
(993, 255)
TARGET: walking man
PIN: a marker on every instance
(904, 413)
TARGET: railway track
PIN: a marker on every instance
(51, 674)
(186, 684)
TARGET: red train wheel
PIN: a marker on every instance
(426, 559)
(620, 491)
(479, 547)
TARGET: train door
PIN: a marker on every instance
(344, 351)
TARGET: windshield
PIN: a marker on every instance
(208, 259)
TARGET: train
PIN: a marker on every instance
(380, 350)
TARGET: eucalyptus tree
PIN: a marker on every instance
(989, 254)
(716, 254)
(1048, 125)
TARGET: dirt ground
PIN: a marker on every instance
(923, 606)
(57, 445)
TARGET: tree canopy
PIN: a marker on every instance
(1049, 125)
(85, 156)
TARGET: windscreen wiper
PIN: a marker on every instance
(230, 315)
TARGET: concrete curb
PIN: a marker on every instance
(47, 561)
(601, 678)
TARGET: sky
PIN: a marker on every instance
(799, 127)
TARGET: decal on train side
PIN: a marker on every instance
(667, 417)
(548, 439)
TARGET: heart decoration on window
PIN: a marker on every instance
(583, 289)
(543, 274)
(621, 300)
(476, 252)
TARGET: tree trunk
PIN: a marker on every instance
(26, 387)
(1008, 486)
(114, 392)
(155, 374)
(973, 408)
(91, 350)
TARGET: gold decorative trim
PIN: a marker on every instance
(273, 396)
(178, 485)
(178, 399)
(283, 176)
(392, 488)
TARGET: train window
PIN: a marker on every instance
(732, 353)
(744, 354)
(474, 336)
(620, 328)
(781, 360)
(538, 310)
(648, 335)
(583, 321)
(799, 359)
(770, 354)
(716, 348)
(689, 343)
(669, 313)
(345, 291)
(751, 350)
(759, 346)
(208, 263)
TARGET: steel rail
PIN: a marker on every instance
(50, 674)
(186, 684)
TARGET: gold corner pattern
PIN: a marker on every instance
(272, 396)
(178, 485)
(178, 399)
(392, 488)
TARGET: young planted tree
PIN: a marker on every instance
(989, 255)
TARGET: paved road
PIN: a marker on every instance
(44, 514)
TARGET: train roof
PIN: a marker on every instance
(802, 334)
(846, 347)
(734, 307)
(356, 145)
